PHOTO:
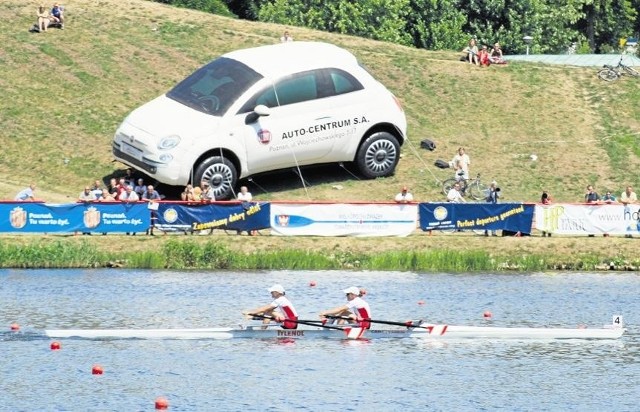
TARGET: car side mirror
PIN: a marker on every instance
(259, 111)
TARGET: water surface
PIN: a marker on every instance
(315, 375)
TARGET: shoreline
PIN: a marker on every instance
(423, 252)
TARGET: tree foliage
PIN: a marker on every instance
(210, 6)
(594, 25)
(376, 19)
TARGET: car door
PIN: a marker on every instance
(301, 128)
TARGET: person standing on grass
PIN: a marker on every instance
(492, 197)
(591, 196)
(280, 310)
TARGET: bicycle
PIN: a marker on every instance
(476, 189)
(611, 73)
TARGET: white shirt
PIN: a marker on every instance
(461, 163)
(129, 196)
(403, 197)
(284, 306)
(359, 307)
(245, 197)
(455, 196)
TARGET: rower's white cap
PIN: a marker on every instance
(353, 290)
(276, 288)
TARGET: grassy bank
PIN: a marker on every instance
(422, 253)
(66, 91)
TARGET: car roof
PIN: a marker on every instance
(292, 57)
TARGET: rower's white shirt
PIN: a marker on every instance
(359, 307)
(284, 306)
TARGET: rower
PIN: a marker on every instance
(356, 309)
(280, 310)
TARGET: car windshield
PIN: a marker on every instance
(213, 88)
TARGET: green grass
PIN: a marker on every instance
(214, 255)
(65, 92)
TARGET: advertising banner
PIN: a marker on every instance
(572, 219)
(515, 217)
(190, 217)
(343, 219)
(27, 217)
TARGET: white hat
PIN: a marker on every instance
(276, 288)
(354, 290)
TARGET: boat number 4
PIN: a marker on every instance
(617, 321)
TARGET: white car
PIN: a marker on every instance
(261, 109)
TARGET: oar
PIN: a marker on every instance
(407, 324)
(299, 321)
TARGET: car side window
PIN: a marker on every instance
(344, 82)
(296, 88)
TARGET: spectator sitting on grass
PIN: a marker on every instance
(28, 194)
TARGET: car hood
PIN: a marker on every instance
(164, 116)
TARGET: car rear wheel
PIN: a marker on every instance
(221, 175)
(378, 155)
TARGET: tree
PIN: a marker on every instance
(376, 19)
(436, 24)
(210, 6)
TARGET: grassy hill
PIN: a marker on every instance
(64, 92)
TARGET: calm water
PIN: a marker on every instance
(315, 375)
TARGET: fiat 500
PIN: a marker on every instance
(262, 109)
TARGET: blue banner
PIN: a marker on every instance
(27, 217)
(515, 217)
(189, 217)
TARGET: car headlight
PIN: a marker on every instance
(169, 142)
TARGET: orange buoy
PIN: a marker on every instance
(15, 326)
(487, 314)
(97, 370)
(55, 345)
(162, 403)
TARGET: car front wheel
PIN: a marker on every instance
(221, 175)
(378, 155)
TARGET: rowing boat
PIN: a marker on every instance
(420, 331)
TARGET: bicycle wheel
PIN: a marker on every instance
(608, 75)
(631, 71)
(447, 185)
(478, 190)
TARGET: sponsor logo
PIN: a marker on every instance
(282, 220)
(264, 136)
(91, 218)
(18, 218)
(290, 333)
(170, 215)
(440, 213)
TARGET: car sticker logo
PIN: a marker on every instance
(264, 136)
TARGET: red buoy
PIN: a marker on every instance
(55, 345)
(162, 403)
(487, 314)
(312, 283)
(97, 370)
(15, 326)
(421, 302)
